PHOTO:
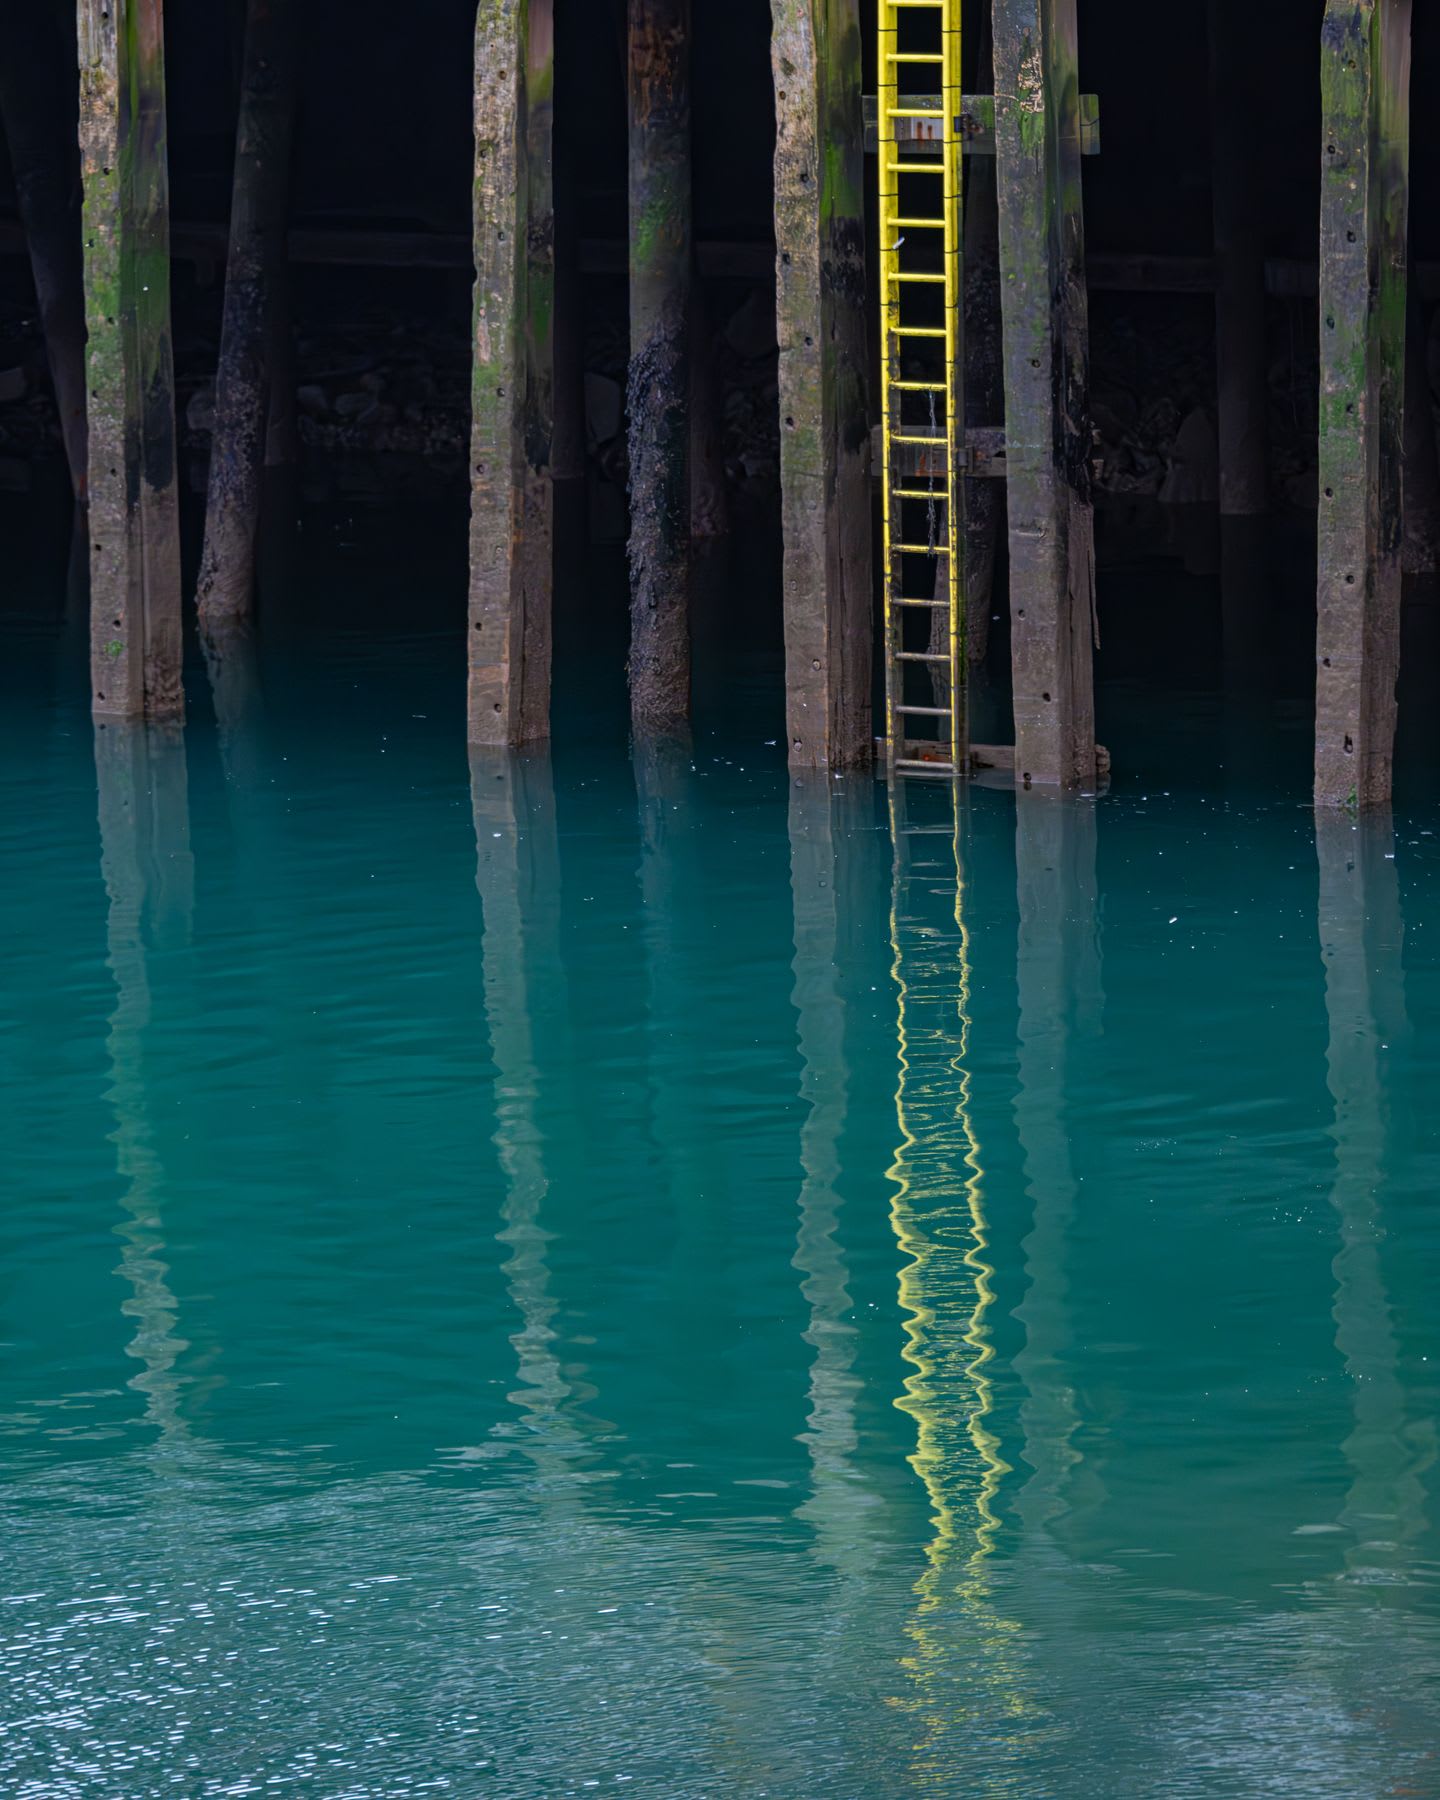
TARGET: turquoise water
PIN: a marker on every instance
(550, 1277)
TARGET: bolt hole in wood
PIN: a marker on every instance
(1349, 747)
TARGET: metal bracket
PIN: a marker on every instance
(975, 126)
(982, 458)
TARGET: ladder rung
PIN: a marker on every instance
(934, 167)
(928, 437)
(925, 331)
(920, 494)
(907, 275)
(918, 387)
(920, 224)
(913, 56)
(919, 550)
(913, 112)
(924, 712)
(899, 602)
(925, 656)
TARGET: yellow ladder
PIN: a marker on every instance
(922, 386)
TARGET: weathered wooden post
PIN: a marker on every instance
(824, 419)
(984, 394)
(1365, 97)
(1047, 429)
(1237, 108)
(37, 110)
(135, 645)
(512, 410)
(254, 291)
(658, 66)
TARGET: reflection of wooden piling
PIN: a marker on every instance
(512, 417)
(658, 65)
(1058, 978)
(1361, 935)
(824, 434)
(254, 291)
(1365, 86)
(1047, 430)
(134, 536)
(517, 875)
(37, 109)
(834, 868)
(1237, 111)
(149, 883)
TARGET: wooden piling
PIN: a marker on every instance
(512, 377)
(1047, 428)
(37, 109)
(984, 399)
(1237, 110)
(824, 417)
(1365, 87)
(135, 651)
(658, 68)
(254, 287)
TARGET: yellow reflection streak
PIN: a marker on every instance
(949, 1392)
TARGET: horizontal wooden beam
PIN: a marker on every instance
(720, 259)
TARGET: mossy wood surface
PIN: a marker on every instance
(658, 63)
(1048, 446)
(254, 285)
(129, 362)
(1365, 86)
(512, 380)
(824, 415)
(984, 370)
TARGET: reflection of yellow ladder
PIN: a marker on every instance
(922, 383)
(962, 1644)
